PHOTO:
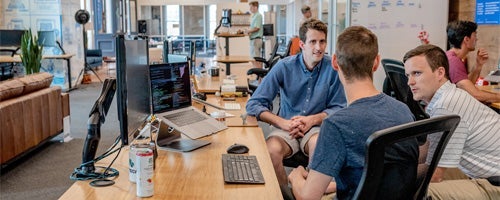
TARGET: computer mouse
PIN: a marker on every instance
(237, 149)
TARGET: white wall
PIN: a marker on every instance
(397, 26)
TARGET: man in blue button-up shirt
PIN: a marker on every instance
(309, 89)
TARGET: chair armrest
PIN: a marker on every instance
(258, 71)
(259, 59)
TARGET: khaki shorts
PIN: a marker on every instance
(458, 186)
(476, 189)
(255, 48)
(295, 145)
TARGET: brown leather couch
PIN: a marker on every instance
(31, 113)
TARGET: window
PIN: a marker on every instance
(173, 20)
(194, 20)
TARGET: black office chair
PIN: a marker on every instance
(375, 174)
(267, 63)
(395, 75)
(260, 73)
(6, 69)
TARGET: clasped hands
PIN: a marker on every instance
(297, 126)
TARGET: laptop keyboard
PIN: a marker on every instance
(185, 117)
(241, 169)
(232, 106)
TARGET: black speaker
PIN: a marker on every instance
(82, 16)
(142, 26)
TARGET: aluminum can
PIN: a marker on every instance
(132, 165)
(144, 164)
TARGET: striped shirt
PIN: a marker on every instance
(475, 145)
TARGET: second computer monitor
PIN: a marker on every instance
(47, 38)
(11, 37)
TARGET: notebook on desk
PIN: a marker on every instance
(172, 101)
(168, 139)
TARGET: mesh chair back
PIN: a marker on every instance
(398, 81)
(375, 177)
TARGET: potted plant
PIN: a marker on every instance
(31, 53)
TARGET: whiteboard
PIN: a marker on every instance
(397, 24)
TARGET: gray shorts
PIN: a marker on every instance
(294, 144)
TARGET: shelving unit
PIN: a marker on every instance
(240, 19)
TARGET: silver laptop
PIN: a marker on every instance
(168, 139)
(171, 100)
(493, 77)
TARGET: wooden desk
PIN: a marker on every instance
(67, 57)
(192, 175)
(10, 59)
(494, 89)
(228, 60)
(227, 35)
(209, 84)
(235, 121)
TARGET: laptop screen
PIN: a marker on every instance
(170, 86)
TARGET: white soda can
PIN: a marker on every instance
(144, 166)
(132, 169)
(132, 165)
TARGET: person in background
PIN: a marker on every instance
(474, 146)
(306, 14)
(255, 32)
(341, 147)
(462, 37)
(309, 90)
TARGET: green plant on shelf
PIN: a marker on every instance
(31, 53)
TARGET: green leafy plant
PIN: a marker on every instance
(31, 53)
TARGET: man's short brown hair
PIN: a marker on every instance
(254, 3)
(434, 55)
(357, 48)
(313, 24)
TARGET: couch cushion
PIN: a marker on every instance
(34, 82)
(10, 89)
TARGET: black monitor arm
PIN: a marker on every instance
(96, 118)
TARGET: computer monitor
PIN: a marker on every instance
(133, 88)
(47, 38)
(268, 29)
(11, 37)
(226, 17)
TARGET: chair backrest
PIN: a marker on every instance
(292, 47)
(395, 73)
(375, 166)
(166, 50)
(273, 52)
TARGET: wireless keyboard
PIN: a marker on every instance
(241, 169)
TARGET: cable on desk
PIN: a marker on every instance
(108, 172)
